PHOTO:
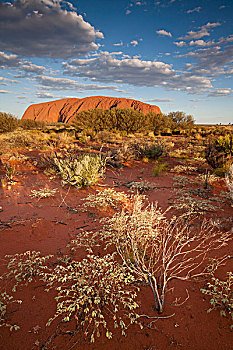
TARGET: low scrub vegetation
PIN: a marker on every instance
(10, 123)
(129, 121)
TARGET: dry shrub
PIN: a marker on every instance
(107, 198)
(159, 250)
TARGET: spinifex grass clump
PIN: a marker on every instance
(159, 168)
(97, 292)
(157, 249)
(82, 171)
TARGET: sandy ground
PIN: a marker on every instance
(49, 224)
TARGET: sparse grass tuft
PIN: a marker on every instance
(106, 198)
(159, 168)
(43, 193)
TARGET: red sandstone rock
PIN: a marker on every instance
(66, 109)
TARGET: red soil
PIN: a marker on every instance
(48, 225)
(65, 110)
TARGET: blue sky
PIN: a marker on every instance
(173, 53)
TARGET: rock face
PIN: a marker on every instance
(66, 109)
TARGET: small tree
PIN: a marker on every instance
(180, 120)
(158, 122)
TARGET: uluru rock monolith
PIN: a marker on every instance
(66, 109)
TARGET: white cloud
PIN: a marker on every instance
(134, 71)
(108, 68)
(127, 12)
(40, 28)
(203, 31)
(134, 42)
(9, 61)
(161, 100)
(180, 43)
(221, 92)
(199, 43)
(213, 58)
(29, 67)
(196, 9)
(163, 32)
(5, 92)
(41, 94)
(212, 25)
(55, 83)
(5, 81)
(118, 44)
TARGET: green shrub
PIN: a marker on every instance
(5, 300)
(29, 124)
(220, 151)
(221, 293)
(97, 292)
(81, 172)
(8, 122)
(159, 168)
(154, 151)
(129, 121)
(140, 150)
